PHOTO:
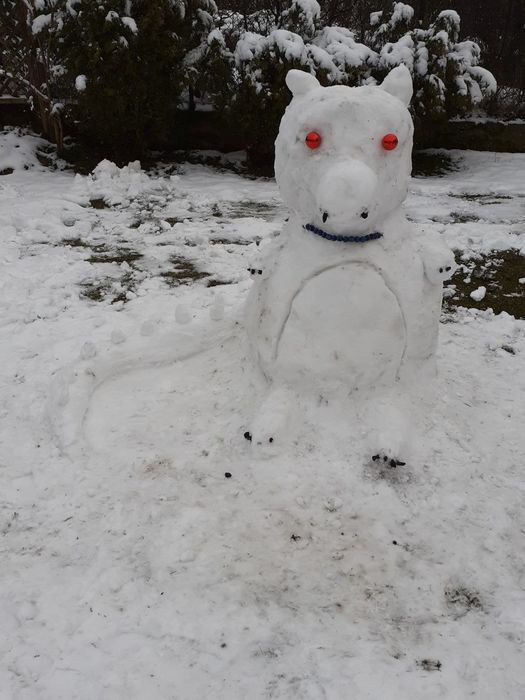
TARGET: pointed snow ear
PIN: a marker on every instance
(399, 84)
(299, 82)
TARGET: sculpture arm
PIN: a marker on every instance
(438, 259)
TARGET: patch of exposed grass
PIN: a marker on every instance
(247, 208)
(109, 288)
(425, 164)
(457, 217)
(95, 290)
(102, 253)
(74, 243)
(229, 241)
(182, 271)
(482, 198)
(115, 255)
(463, 217)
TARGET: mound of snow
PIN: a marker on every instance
(18, 150)
(120, 185)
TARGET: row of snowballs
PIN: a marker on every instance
(182, 316)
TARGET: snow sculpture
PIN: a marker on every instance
(349, 297)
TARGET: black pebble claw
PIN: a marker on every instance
(259, 271)
(248, 436)
(441, 269)
(448, 268)
(396, 463)
(270, 439)
(393, 463)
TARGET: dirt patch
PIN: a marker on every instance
(397, 475)
(429, 664)
(172, 220)
(461, 600)
(98, 203)
(500, 273)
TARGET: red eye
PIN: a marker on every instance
(389, 142)
(313, 139)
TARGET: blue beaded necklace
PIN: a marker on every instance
(342, 239)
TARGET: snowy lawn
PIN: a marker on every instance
(132, 566)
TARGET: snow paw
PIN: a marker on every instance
(259, 440)
(271, 424)
(265, 439)
(441, 266)
(182, 315)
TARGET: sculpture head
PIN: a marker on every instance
(343, 155)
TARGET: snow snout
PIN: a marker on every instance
(346, 197)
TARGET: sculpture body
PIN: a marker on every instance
(350, 296)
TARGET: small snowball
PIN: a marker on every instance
(333, 504)
(187, 556)
(478, 294)
(117, 337)
(88, 350)
(147, 328)
(41, 22)
(26, 610)
(217, 309)
(62, 392)
(80, 83)
(182, 315)
(130, 23)
(521, 280)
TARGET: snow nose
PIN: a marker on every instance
(346, 193)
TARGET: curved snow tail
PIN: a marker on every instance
(72, 387)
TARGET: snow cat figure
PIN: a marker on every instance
(350, 295)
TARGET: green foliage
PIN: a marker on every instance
(129, 71)
(246, 70)
(119, 70)
(447, 78)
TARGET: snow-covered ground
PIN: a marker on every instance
(132, 567)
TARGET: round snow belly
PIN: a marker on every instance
(344, 327)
